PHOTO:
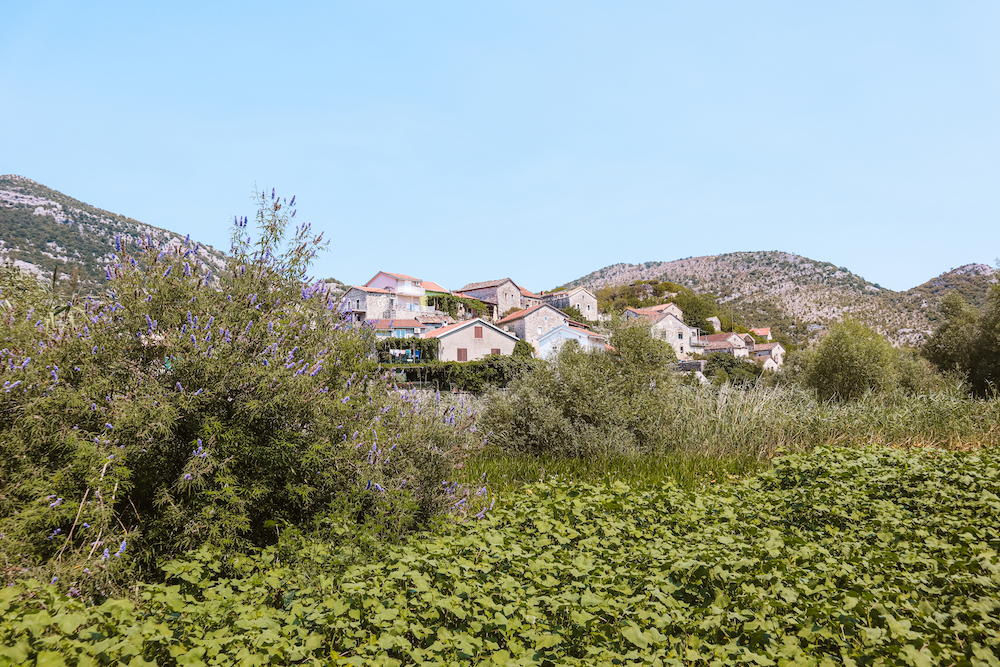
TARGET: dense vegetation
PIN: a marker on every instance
(174, 414)
(968, 341)
(203, 469)
(841, 557)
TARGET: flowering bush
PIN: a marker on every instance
(192, 407)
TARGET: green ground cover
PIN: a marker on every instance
(843, 556)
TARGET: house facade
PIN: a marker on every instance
(409, 291)
(503, 294)
(580, 297)
(367, 303)
(472, 340)
(549, 344)
(770, 351)
(736, 344)
(530, 324)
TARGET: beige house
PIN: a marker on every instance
(472, 340)
(532, 323)
(580, 297)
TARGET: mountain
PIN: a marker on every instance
(795, 293)
(42, 230)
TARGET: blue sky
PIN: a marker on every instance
(461, 142)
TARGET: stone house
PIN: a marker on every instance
(770, 351)
(503, 295)
(580, 297)
(716, 324)
(736, 344)
(666, 323)
(532, 323)
(529, 298)
(472, 340)
(367, 303)
(764, 333)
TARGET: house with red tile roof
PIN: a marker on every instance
(764, 333)
(472, 340)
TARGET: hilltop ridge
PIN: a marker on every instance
(763, 285)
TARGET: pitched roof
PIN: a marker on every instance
(719, 345)
(437, 333)
(660, 307)
(433, 287)
(397, 324)
(484, 285)
(528, 293)
(767, 346)
(762, 332)
(527, 311)
(722, 336)
(376, 290)
(397, 276)
(649, 314)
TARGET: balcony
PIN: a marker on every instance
(407, 288)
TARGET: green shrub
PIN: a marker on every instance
(968, 341)
(191, 407)
(583, 403)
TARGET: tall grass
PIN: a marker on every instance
(708, 435)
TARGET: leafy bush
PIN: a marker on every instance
(721, 367)
(188, 408)
(495, 371)
(587, 402)
(968, 341)
(869, 557)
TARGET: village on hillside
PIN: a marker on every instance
(490, 317)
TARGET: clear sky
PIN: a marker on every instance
(467, 141)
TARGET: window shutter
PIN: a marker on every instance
(495, 350)
(463, 354)
(479, 332)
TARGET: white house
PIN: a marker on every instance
(548, 344)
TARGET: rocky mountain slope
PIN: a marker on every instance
(42, 230)
(765, 286)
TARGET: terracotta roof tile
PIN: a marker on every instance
(376, 290)
(433, 287)
(397, 324)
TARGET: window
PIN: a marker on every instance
(588, 307)
(539, 331)
(479, 332)
(357, 304)
(495, 350)
(680, 336)
(463, 354)
(545, 318)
